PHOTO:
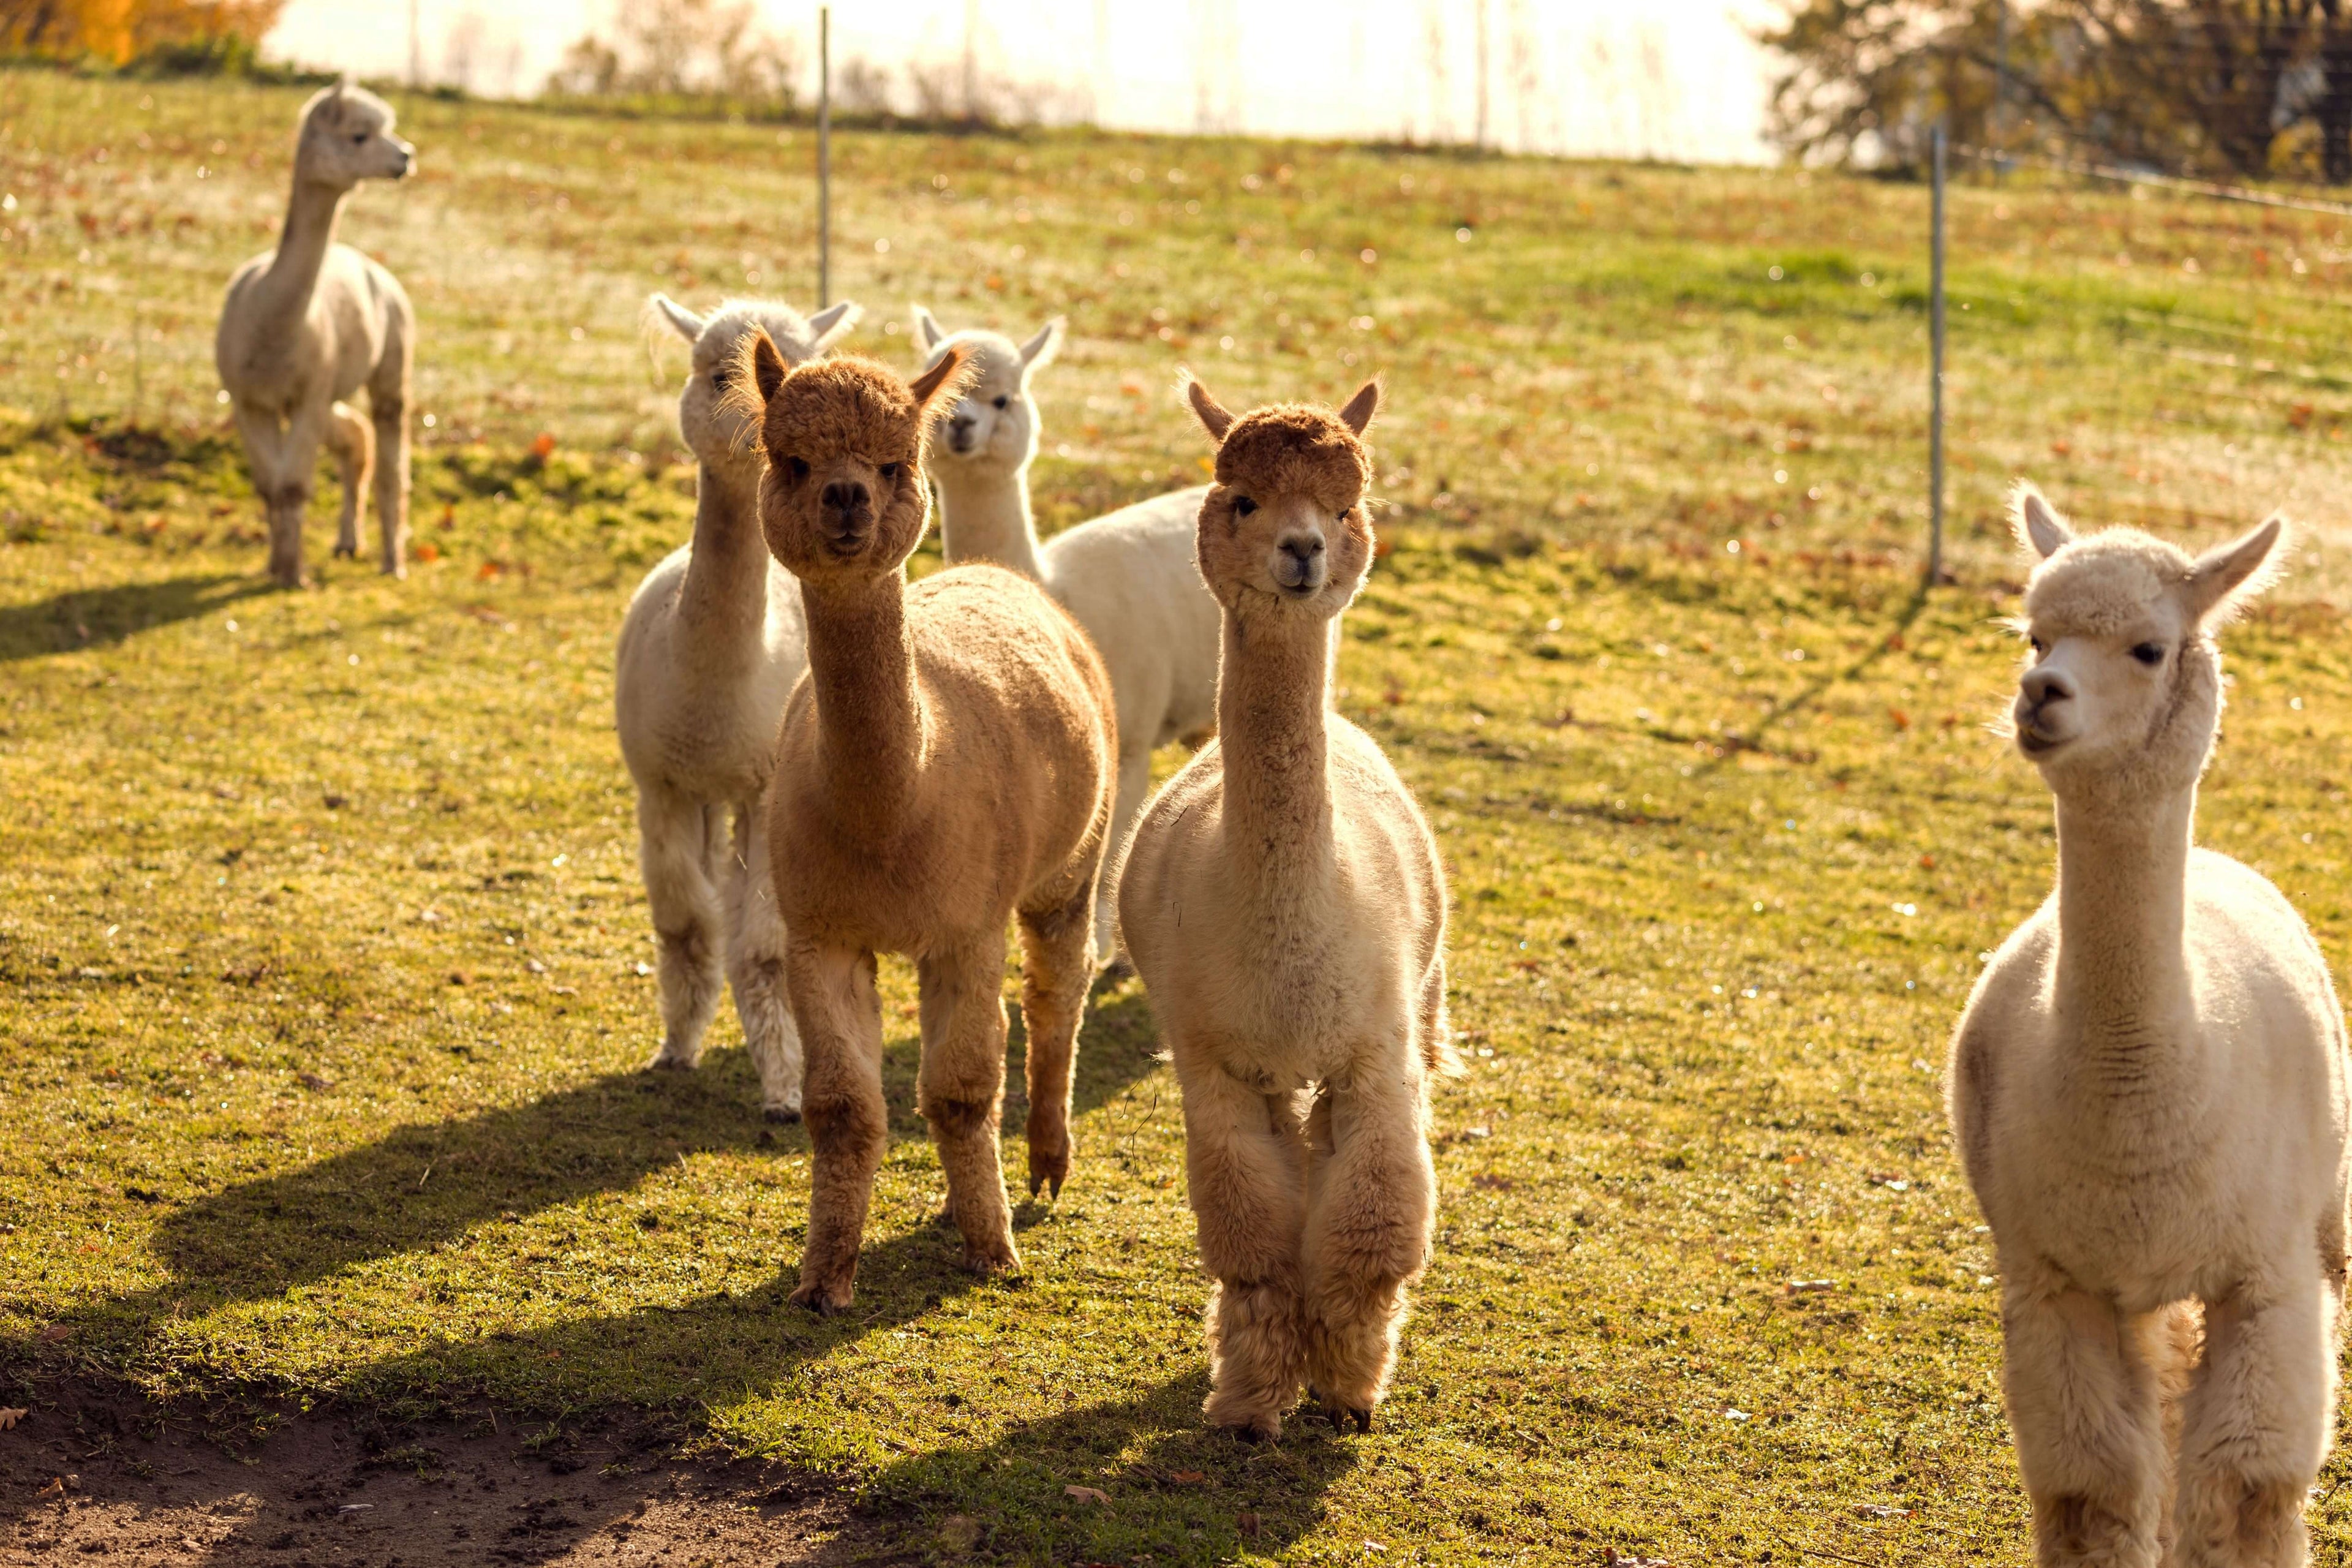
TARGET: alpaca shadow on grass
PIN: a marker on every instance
(1178, 1491)
(1811, 692)
(430, 1182)
(103, 618)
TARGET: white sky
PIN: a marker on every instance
(1672, 78)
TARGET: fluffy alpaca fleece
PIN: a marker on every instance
(946, 765)
(709, 649)
(307, 325)
(1284, 901)
(1128, 577)
(2148, 1092)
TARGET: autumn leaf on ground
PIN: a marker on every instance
(1087, 1494)
(9, 1418)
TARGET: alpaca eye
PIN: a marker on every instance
(2149, 653)
(1243, 506)
(797, 467)
(722, 379)
(1002, 401)
(890, 471)
(2039, 646)
(358, 139)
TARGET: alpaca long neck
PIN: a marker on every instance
(984, 516)
(870, 716)
(2123, 984)
(724, 598)
(1272, 738)
(302, 247)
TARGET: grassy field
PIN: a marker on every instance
(324, 971)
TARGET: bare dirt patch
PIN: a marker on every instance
(87, 1476)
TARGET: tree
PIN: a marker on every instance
(2246, 86)
(682, 47)
(119, 31)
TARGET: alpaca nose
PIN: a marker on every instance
(1300, 564)
(959, 428)
(2042, 687)
(843, 499)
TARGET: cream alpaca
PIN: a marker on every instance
(1284, 901)
(2148, 1092)
(307, 325)
(1128, 577)
(945, 766)
(708, 651)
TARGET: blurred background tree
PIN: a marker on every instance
(121, 31)
(675, 49)
(2249, 88)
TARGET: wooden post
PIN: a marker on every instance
(824, 156)
(1935, 377)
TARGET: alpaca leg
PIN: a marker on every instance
(674, 852)
(1134, 789)
(755, 968)
(353, 444)
(840, 1015)
(2084, 1403)
(1244, 1163)
(2254, 1429)
(1058, 965)
(388, 406)
(284, 457)
(961, 1092)
(1373, 1201)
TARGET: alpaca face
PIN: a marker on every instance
(1284, 524)
(717, 414)
(347, 137)
(2124, 684)
(994, 426)
(844, 495)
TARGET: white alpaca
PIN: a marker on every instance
(711, 646)
(1284, 901)
(2148, 1092)
(1127, 577)
(307, 325)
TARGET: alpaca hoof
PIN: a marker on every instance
(669, 1061)
(1341, 1415)
(822, 1299)
(1048, 1170)
(1117, 966)
(990, 1262)
(781, 1112)
(347, 552)
(1265, 1429)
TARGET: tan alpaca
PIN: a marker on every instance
(1284, 902)
(309, 324)
(2148, 1093)
(946, 765)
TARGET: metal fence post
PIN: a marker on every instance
(1935, 377)
(824, 156)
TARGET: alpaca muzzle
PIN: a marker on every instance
(1300, 564)
(845, 509)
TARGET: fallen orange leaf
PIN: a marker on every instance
(9, 1418)
(1087, 1494)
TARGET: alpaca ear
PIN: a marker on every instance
(768, 366)
(1357, 415)
(2037, 523)
(927, 330)
(1212, 414)
(938, 384)
(686, 322)
(831, 324)
(2228, 578)
(1039, 351)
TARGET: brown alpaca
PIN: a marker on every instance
(947, 763)
(1284, 901)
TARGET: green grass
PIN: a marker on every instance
(322, 987)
